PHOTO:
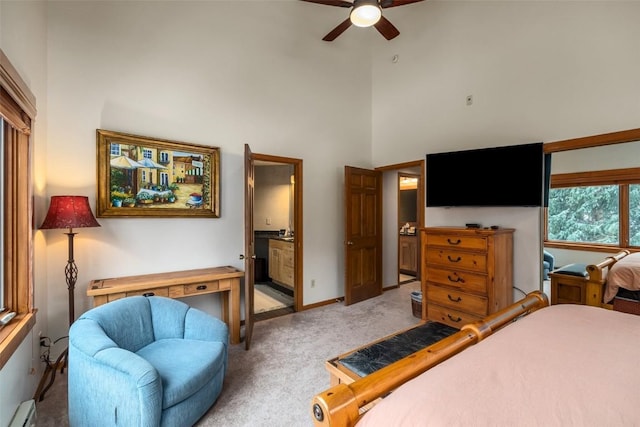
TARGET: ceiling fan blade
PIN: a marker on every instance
(339, 3)
(393, 3)
(337, 30)
(386, 28)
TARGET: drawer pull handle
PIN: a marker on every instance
(148, 294)
(456, 279)
(451, 242)
(454, 300)
(454, 320)
(454, 260)
(201, 287)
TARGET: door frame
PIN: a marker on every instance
(399, 167)
(298, 247)
(418, 212)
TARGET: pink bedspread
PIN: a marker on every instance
(623, 274)
(564, 365)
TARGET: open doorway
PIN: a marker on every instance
(408, 237)
(277, 235)
(401, 250)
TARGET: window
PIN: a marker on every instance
(2, 282)
(115, 149)
(595, 209)
(17, 110)
(164, 157)
(147, 154)
(634, 214)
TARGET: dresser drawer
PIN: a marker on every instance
(198, 288)
(457, 241)
(469, 282)
(160, 292)
(457, 300)
(456, 259)
(448, 316)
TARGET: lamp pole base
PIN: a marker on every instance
(50, 372)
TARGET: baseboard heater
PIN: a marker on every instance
(25, 415)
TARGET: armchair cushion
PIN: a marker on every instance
(176, 361)
(145, 361)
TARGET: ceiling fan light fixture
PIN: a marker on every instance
(365, 13)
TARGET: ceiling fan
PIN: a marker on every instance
(365, 13)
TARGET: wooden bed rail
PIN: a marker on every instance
(340, 405)
(595, 270)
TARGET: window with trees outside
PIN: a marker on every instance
(595, 209)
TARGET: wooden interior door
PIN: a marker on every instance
(249, 245)
(363, 234)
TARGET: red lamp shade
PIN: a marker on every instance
(69, 212)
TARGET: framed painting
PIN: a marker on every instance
(148, 177)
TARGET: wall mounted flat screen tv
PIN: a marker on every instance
(498, 176)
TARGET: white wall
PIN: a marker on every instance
(538, 71)
(390, 228)
(272, 198)
(213, 73)
(23, 31)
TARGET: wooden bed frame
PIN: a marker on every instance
(342, 404)
(588, 290)
(598, 278)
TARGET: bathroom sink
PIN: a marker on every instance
(287, 239)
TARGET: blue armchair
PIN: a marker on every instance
(548, 262)
(145, 361)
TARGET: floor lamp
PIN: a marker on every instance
(66, 212)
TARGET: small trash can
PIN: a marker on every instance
(416, 304)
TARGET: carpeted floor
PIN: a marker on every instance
(272, 384)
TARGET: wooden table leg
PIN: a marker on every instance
(224, 301)
(234, 296)
(231, 309)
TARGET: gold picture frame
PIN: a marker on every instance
(148, 177)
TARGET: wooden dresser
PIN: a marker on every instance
(466, 273)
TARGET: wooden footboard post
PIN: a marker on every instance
(335, 407)
(597, 279)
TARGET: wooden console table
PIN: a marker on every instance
(178, 284)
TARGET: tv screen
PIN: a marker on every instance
(499, 176)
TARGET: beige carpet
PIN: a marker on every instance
(272, 384)
(265, 298)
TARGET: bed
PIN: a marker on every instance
(622, 276)
(529, 364)
(615, 276)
